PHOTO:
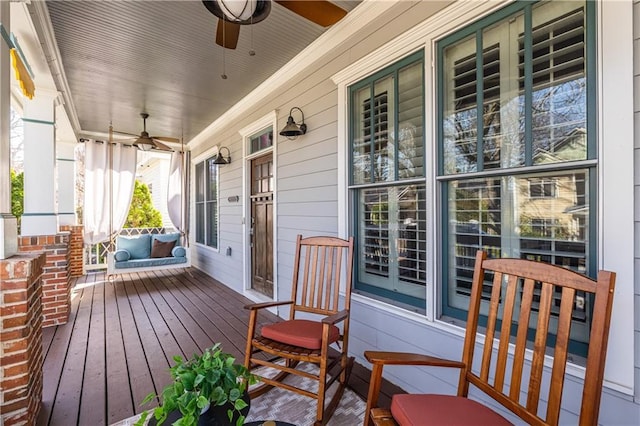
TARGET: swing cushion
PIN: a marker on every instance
(139, 247)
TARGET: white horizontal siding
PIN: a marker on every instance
(636, 86)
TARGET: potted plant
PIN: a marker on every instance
(204, 384)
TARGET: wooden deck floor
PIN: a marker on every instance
(122, 335)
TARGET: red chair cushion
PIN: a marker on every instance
(423, 410)
(303, 333)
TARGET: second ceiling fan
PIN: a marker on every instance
(144, 142)
(233, 13)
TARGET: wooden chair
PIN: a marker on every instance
(517, 285)
(319, 265)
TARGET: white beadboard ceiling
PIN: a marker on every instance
(121, 58)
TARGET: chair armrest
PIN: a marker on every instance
(337, 317)
(255, 306)
(405, 358)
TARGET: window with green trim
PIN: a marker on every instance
(387, 183)
(517, 146)
(206, 202)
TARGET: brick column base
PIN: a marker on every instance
(56, 285)
(76, 248)
(21, 338)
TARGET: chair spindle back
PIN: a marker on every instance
(534, 297)
(320, 265)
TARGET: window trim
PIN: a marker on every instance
(614, 117)
(202, 159)
(416, 58)
(476, 29)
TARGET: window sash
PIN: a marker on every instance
(388, 190)
(206, 203)
(540, 137)
(504, 109)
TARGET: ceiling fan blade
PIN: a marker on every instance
(166, 139)
(124, 134)
(159, 146)
(227, 34)
(321, 12)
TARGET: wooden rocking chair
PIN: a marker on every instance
(503, 379)
(320, 263)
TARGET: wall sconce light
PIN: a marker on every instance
(220, 159)
(293, 130)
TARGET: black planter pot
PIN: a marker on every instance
(214, 416)
(217, 416)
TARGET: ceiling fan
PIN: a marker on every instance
(144, 142)
(233, 13)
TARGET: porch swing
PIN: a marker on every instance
(145, 252)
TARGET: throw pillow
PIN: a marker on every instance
(179, 251)
(139, 247)
(121, 256)
(162, 248)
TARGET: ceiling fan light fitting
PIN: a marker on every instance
(254, 10)
(144, 144)
(238, 10)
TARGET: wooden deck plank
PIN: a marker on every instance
(55, 355)
(156, 323)
(139, 333)
(119, 395)
(227, 314)
(162, 299)
(93, 403)
(67, 400)
(139, 342)
(207, 305)
(202, 329)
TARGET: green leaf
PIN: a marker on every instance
(188, 378)
(229, 362)
(234, 394)
(215, 376)
(239, 404)
(202, 402)
(199, 378)
(143, 418)
(148, 398)
(240, 421)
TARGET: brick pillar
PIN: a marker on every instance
(76, 248)
(56, 285)
(21, 338)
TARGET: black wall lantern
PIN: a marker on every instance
(220, 160)
(293, 130)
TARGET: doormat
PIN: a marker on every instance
(286, 406)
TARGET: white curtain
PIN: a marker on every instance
(175, 192)
(178, 193)
(109, 181)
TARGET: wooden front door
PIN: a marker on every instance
(262, 225)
